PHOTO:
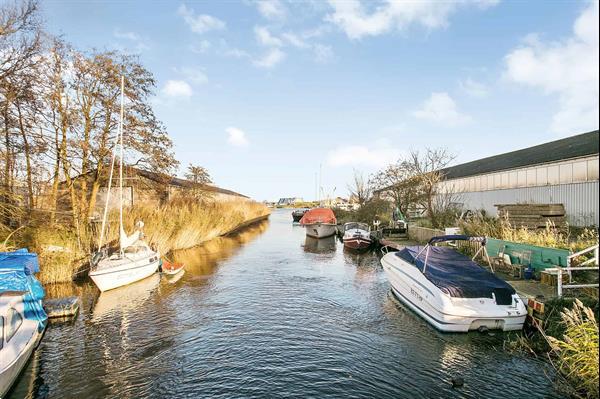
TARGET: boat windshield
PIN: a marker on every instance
(356, 225)
(134, 249)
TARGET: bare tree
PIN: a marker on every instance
(396, 181)
(361, 188)
(426, 168)
(199, 177)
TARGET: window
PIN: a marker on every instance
(553, 177)
(490, 182)
(14, 321)
(592, 169)
(542, 176)
(497, 182)
(484, 183)
(566, 173)
(505, 180)
(580, 171)
(513, 179)
(531, 177)
(522, 178)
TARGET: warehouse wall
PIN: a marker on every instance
(580, 200)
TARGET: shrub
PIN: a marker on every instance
(577, 352)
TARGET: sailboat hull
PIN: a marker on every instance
(123, 273)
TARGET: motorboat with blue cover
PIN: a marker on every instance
(22, 317)
(450, 290)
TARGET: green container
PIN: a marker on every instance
(541, 257)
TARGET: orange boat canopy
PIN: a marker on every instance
(318, 215)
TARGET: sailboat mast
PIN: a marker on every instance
(121, 165)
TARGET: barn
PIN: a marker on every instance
(563, 171)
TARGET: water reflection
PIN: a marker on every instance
(320, 245)
(269, 315)
(203, 259)
(124, 300)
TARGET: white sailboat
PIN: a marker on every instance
(134, 259)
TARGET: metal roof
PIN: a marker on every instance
(571, 147)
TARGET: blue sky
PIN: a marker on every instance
(263, 92)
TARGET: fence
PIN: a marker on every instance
(569, 270)
(423, 234)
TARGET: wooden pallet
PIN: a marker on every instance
(533, 216)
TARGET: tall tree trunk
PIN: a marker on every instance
(7, 171)
(55, 178)
(85, 155)
(27, 150)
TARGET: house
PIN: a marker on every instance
(563, 171)
(289, 201)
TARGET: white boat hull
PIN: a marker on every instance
(320, 230)
(15, 353)
(449, 314)
(126, 272)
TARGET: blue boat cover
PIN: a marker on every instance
(457, 275)
(16, 275)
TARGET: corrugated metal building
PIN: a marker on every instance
(562, 171)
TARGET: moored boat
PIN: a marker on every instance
(297, 214)
(171, 268)
(134, 260)
(319, 223)
(22, 317)
(450, 291)
(357, 236)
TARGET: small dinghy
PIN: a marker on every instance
(357, 236)
(450, 290)
(170, 268)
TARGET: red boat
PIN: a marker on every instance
(171, 268)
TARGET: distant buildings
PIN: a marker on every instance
(558, 172)
(289, 201)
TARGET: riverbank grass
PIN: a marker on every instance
(180, 224)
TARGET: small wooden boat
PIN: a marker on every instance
(171, 268)
(357, 236)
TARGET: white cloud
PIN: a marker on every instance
(201, 47)
(359, 155)
(236, 137)
(271, 9)
(177, 89)
(139, 44)
(119, 34)
(273, 57)
(200, 23)
(264, 37)
(194, 75)
(351, 17)
(440, 108)
(473, 88)
(568, 69)
(294, 40)
(323, 53)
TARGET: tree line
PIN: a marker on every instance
(59, 109)
(412, 182)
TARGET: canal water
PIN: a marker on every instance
(268, 313)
